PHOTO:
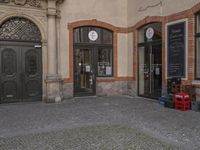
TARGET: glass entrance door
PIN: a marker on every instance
(150, 70)
(84, 72)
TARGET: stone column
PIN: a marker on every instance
(53, 79)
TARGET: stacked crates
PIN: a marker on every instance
(167, 101)
(195, 106)
(162, 100)
(190, 89)
(182, 101)
(173, 85)
(170, 101)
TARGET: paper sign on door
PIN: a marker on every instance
(87, 68)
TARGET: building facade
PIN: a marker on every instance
(57, 49)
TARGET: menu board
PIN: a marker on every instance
(176, 48)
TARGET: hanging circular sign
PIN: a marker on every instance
(150, 33)
(93, 35)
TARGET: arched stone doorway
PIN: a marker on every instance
(20, 61)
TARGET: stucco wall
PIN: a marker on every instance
(138, 10)
(112, 11)
(125, 55)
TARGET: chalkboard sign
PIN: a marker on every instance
(176, 48)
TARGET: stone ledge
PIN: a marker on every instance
(53, 78)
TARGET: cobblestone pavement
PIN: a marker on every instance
(97, 123)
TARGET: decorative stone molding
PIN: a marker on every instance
(20, 2)
(32, 3)
(51, 12)
(4, 1)
(53, 78)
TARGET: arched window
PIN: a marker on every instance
(104, 36)
(19, 29)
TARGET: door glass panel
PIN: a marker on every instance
(84, 71)
(144, 71)
(150, 71)
(156, 74)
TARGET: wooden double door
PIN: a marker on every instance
(21, 72)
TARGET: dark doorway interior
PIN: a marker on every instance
(150, 70)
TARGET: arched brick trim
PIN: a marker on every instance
(180, 15)
(148, 20)
(96, 23)
(93, 22)
(196, 8)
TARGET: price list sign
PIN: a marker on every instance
(176, 48)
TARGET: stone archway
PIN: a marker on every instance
(20, 61)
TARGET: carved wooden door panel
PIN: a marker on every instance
(31, 74)
(10, 90)
(20, 61)
(20, 74)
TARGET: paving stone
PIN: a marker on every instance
(98, 123)
(86, 138)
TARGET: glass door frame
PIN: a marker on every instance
(147, 44)
(93, 51)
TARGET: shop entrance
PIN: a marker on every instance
(93, 57)
(150, 71)
(84, 72)
(150, 63)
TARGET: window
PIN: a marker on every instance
(104, 36)
(157, 33)
(198, 46)
(104, 64)
(102, 48)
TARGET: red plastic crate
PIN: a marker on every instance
(182, 101)
(183, 107)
